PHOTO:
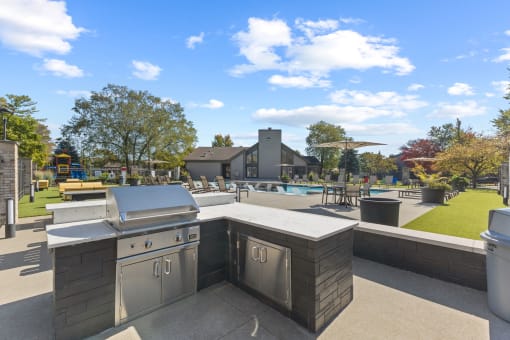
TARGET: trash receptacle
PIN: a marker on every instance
(497, 238)
(380, 210)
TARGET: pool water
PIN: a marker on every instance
(305, 189)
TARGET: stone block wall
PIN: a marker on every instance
(462, 267)
(8, 177)
(84, 289)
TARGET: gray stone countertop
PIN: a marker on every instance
(307, 226)
(67, 234)
(303, 225)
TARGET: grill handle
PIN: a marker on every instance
(123, 216)
(156, 269)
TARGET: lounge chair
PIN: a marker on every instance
(269, 187)
(206, 185)
(280, 189)
(373, 180)
(388, 181)
(251, 187)
(355, 179)
(191, 186)
(365, 190)
(221, 184)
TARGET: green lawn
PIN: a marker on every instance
(38, 207)
(464, 216)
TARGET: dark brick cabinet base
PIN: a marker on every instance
(84, 289)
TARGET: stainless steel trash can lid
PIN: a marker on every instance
(499, 221)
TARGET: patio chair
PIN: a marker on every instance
(327, 178)
(280, 189)
(365, 190)
(373, 180)
(206, 185)
(388, 180)
(269, 187)
(328, 191)
(222, 186)
(352, 191)
(355, 179)
(191, 186)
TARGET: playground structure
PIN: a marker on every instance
(64, 169)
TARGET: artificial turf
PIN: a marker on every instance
(38, 207)
(465, 215)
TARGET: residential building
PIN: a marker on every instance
(268, 159)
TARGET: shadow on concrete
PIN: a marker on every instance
(36, 256)
(323, 212)
(467, 300)
(30, 318)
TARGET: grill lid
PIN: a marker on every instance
(143, 206)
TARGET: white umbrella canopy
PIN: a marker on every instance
(421, 159)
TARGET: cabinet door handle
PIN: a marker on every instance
(255, 250)
(168, 266)
(263, 255)
(156, 269)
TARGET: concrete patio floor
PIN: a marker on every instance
(388, 303)
(409, 209)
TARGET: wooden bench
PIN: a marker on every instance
(43, 183)
(84, 194)
(64, 188)
(409, 193)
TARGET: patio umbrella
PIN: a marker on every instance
(346, 145)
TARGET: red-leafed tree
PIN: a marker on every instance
(420, 148)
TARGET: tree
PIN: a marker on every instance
(445, 135)
(323, 132)
(65, 146)
(352, 161)
(475, 157)
(132, 125)
(376, 164)
(419, 148)
(33, 136)
(222, 141)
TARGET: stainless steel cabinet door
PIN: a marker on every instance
(140, 287)
(273, 276)
(250, 264)
(179, 274)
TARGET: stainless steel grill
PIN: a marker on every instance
(157, 249)
(149, 207)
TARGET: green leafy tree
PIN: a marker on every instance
(132, 125)
(323, 132)
(376, 164)
(476, 156)
(352, 161)
(222, 141)
(31, 134)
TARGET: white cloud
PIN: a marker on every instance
(354, 21)
(415, 87)
(298, 81)
(213, 104)
(258, 44)
(335, 114)
(312, 28)
(460, 89)
(60, 68)
(313, 49)
(194, 40)
(489, 94)
(467, 108)
(502, 86)
(507, 32)
(504, 57)
(381, 129)
(383, 100)
(37, 26)
(168, 99)
(355, 80)
(74, 93)
(145, 70)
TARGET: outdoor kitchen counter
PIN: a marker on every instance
(73, 233)
(311, 227)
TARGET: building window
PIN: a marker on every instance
(287, 156)
(252, 163)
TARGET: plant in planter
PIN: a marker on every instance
(459, 183)
(435, 186)
(134, 180)
(285, 178)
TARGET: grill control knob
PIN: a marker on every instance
(178, 238)
(148, 244)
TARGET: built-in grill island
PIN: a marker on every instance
(157, 250)
(155, 247)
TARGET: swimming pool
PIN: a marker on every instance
(316, 189)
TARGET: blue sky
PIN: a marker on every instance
(386, 71)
